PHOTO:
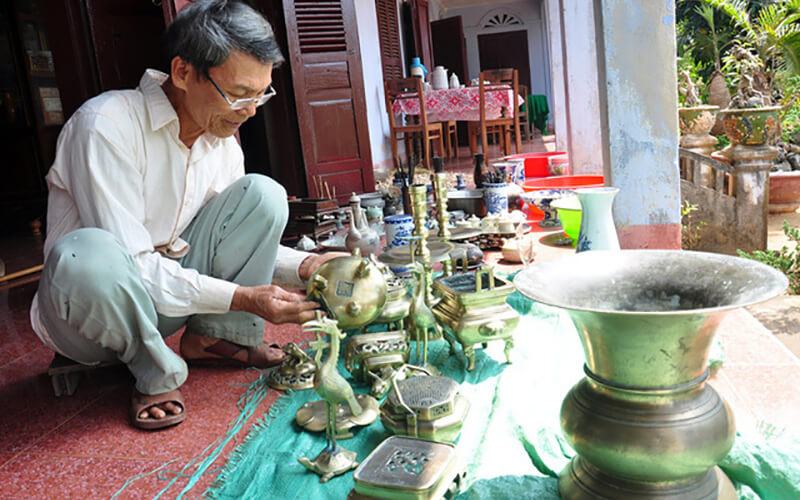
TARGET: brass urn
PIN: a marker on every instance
(643, 421)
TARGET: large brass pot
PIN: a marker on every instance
(643, 421)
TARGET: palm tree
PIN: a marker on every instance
(774, 33)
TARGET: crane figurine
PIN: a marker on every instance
(420, 318)
(334, 389)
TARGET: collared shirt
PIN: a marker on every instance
(121, 166)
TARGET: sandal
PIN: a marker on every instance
(224, 354)
(141, 402)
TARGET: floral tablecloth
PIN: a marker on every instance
(462, 104)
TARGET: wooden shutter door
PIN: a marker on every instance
(329, 92)
(389, 33)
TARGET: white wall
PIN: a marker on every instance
(377, 119)
(530, 13)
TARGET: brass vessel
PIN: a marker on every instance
(351, 288)
(473, 310)
(406, 468)
(376, 357)
(398, 302)
(427, 407)
(644, 422)
(296, 372)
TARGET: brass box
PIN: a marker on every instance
(406, 468)
(427, 407)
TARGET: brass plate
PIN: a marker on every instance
(407, 468)
(459, 233)
(440, 251)
(313, 416)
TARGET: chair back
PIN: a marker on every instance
(405, 88)
(502, 76)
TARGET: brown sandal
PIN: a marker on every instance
(225, 354)
(141, 402)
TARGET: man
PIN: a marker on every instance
(152, 224)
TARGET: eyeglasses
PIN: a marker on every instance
(240, 104)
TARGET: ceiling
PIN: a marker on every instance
(457, 4)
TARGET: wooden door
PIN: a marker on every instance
(389, 35)
(127, 40)
(422, 32)
(449, 48)
(506, 50)
(329, 93)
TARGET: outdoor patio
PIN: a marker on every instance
(82, 446)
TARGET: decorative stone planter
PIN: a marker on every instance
(695, 125)
(784, 192)
(751, 126)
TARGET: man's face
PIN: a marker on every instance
(240, 76)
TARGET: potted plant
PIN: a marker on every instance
(695, 119)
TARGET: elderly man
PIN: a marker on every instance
(152, 224)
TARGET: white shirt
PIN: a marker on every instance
(121, 166)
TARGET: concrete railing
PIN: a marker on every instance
(731, 199)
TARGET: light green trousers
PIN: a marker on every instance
(95, 308)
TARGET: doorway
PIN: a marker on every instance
(506, 50)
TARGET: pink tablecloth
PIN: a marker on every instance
(459, 104)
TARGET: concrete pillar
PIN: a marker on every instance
(752, 164)
(574, 77)
(636, 67)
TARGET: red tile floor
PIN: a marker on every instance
(83, 447)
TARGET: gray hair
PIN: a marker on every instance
(206, 32)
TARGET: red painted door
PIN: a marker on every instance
(329, 94)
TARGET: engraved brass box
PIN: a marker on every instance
(406, 468)
(473, 310)
(374, 358)
(426, 407)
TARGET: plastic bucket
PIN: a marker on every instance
(569, 213)
(536, 163)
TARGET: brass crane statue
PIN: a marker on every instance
(420, 318)
(334, 389)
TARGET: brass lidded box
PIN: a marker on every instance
(406, 468)
(474, 310)
(429, 407)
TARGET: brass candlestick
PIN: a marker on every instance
(419, 211)
(440, 192)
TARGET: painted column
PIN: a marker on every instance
(637, 74)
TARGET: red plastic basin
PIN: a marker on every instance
(563, 182)
(536, 163)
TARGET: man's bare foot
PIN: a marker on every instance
(208, 350)
(158, 410)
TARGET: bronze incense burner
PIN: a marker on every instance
(376, 357)
(643, 421)
(427, 407)
(473, 310)
(296, 372)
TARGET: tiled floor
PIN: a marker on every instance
(83, 447)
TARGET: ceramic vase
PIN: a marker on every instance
(597, 221)
(398, 227)
(496, 195)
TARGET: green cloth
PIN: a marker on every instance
(511, 444)
(539, 111)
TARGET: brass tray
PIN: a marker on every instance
(440, 251)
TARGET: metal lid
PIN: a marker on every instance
(405, 463)
(429, 397)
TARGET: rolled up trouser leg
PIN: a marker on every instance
(235, 237)
(94, 308)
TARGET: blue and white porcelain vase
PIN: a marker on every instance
(496, 196)
(398, 227)
(597, 221)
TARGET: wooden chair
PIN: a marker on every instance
(504, 124)
(428, 132)
(450, 138)
(524, 115)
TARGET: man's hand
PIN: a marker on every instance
(274, 304)
(313, 261)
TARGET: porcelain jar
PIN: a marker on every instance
(397, 228)
(496, 195)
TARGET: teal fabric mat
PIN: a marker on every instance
(510, 445)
